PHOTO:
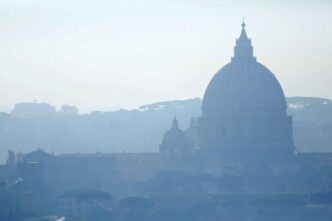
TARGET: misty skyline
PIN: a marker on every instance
(125, 54)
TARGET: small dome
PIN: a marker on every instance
(175, 137)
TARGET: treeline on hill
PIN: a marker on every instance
(109, 131)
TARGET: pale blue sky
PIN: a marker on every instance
(102, 55)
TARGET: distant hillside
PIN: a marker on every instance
(312, 123)
(142, 129)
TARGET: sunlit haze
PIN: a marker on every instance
(105, 55)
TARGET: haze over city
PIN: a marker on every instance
(106, 55)
(165, 110)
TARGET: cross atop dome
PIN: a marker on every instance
(243, 23)
(243, 48)
(243, 26)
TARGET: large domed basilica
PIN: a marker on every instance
(244, 113)
(244, 108)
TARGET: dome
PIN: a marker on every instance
(175, 137)
(244, 111)
(244, 89)
(244, 86)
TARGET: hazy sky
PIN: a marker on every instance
(106, 54)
